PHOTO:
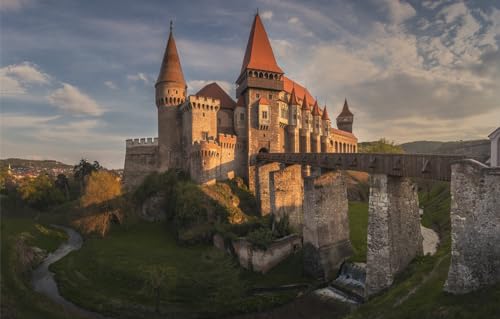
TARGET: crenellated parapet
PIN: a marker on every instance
(144, 141)
(203, 103)
(227, 141)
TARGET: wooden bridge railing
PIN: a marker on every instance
(436, 167)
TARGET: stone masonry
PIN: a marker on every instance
(394, 236)
(475, 227)
(326, 224)
(262, 190)
(286, 195)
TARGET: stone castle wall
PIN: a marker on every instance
(141, 159)
(475, 227)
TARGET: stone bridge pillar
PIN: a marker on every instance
(475, 227)
(394, 236)
(287, 194)
(326, 224)
(262, 189)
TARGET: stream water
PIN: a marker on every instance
(43, 278)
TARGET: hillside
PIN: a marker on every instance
(477, 149)
(41, 164)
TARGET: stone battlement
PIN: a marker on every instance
(195, 102)
(144, 141)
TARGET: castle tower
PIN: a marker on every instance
(293, 123)
(170, 93)
(326, 146)
(305, 131)
(259, 83)
(316, 129)
(345, 119)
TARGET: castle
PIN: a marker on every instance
(212, 137)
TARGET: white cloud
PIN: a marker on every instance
(111, 85)
(15, 78)
(195, 85)
(266, 15)
(72, 100)
(15, 5)
(138, 77)
(399, 11)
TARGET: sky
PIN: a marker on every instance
(77, 77)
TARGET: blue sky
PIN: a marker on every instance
(77, 77)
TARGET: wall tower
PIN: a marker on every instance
(170, 93)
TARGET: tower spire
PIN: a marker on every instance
(171, 70)
(171, 26)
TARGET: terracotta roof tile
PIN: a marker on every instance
(213, 90)
(305, 103)
(300, 91)
(263, 101)
(259, 53)
(315, 111)
(171, 70)
(325, 116)
(293, 98)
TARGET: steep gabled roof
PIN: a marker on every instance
(315, 111)
(325, 116)
(241, 101)
(171, 70)
(213, 90)
(293, 98)
(259, 54)
(345, 110)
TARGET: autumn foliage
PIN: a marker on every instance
(101, 186)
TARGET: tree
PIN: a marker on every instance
(62, 183)
(101, 186)
(381, 146)
(83, 169)
(5, 179)
(158, 278)
(40, 192)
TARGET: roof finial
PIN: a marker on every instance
(171, 25)
(257, 13)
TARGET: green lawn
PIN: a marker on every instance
(18, 300)
(107, 275)
(358, 227)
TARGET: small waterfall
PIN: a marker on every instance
(349, 286)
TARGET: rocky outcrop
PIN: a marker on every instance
(475, 227)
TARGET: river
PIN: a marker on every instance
(43, 278)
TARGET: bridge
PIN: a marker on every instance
(437, 167)
(315, 202)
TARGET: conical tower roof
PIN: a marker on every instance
(345, 110)
(259, 54)
(315, 111)
(171, 70)
(293, 98)
(325, 116)
(305, 104)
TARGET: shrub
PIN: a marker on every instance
(101, 186)
(40, 192)
(261, 238)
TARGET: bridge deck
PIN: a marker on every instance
(436, 167)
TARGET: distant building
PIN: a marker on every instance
(212, 137)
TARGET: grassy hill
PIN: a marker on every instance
(477, 149)
(43, 164)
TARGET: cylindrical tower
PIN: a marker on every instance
(171, 91)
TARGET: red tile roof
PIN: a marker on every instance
(305, 103)
(241, 101)
(171, 70)
(300, 91)
(325, 116)
(263, 101)
(293, 98)
(315, 111)
(259, 54)
(213, 90)
(344, 133)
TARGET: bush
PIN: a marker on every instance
(261, 238)
(101, 186)
(40, 192)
